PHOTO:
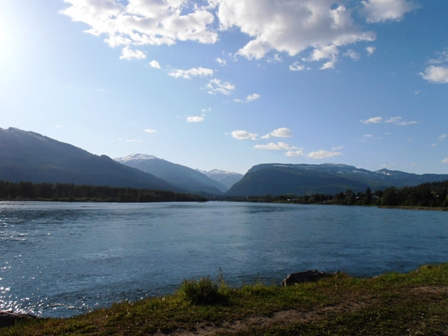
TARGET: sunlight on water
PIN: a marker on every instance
(63, 259)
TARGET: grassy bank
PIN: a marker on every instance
(391, 304)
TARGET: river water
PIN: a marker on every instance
(64, 259)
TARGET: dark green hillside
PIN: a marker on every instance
(29, 156)
(279, 180)
(306, 179)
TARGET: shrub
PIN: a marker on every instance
(203, 291)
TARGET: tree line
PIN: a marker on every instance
(424, 195)
(87, 193)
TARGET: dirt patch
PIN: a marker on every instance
(279, 318)
(431, 290)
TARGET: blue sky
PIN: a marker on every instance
(232, 83)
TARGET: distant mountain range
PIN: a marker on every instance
(301, 179)
(174, 174)
(225, 178)
(29, 156)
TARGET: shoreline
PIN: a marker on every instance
(403, 207)
(392, 304)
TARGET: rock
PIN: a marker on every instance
(301, 277)
(9, 318)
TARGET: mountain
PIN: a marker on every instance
(301, 179)
(32, 157)
(175, 174)
(228, 179)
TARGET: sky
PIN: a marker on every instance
(229, 84)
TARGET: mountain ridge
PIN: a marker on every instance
(302, 179)
(32, 157)
(175, 174)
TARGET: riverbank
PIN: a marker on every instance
(392, 304)
(402, 207)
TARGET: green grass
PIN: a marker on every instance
(391, 304)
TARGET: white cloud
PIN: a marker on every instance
(393, 120)
(249, 98)
(138, 22)
(337, 148)
(195, 119)
(244, 135)
(442, 137)
(443, 57)
(192, 72)
(352, 54)
(374, 120)
(150, 131)
(128, 54)
(296, 66)
(322, 154)
(383, 10)
(445, 160)
(328, 52)
(221, 61)
(370, 50)
(274, 146)
(405, 123)
(292, 153)
(253, 97)
(154, 64)
(398, 121)
(436, 74)
(225, 88)
(290, 26)
(279, 133)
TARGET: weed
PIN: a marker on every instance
(200, 292)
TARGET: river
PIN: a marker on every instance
(64, 259)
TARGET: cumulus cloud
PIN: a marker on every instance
(274, 146)
(192, 72)
(374, 120)
(154, 64)
(445, 160)
(442, 137)
(249, 98)
(370, 50)
(322, 154)
(296, 66)
(139, 22)
(281, 26)
(221, 61)
(244, 135)
(291, 26)
(328, 52)
(383, 10)
(215, 85)
(436, 74)
(150, 131)
(128, 54)
(352, 54)
(279, 133)
(293, 153)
